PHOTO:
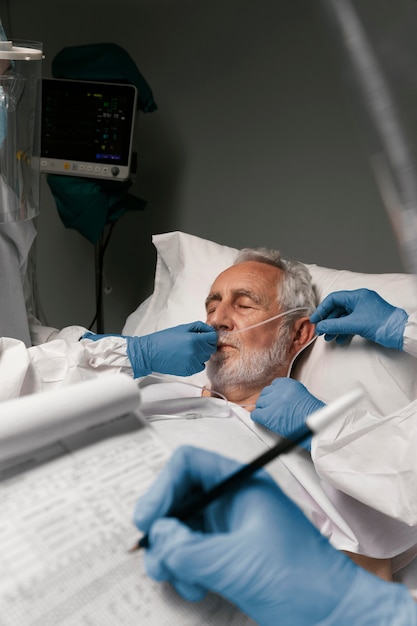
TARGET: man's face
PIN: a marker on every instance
(243, 295)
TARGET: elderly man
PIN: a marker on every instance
(260, 308)
(250, 354)
(254, 345)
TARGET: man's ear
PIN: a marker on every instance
(301, 334)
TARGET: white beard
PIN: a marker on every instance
(252, 367)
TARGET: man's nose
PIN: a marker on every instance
(221, 318)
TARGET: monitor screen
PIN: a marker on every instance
(87, 128)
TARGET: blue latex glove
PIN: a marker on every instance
(283, 407)
(181, 350)
(257, 549)
(343, 314)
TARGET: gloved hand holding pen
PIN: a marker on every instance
(363, 312)
(182, 350)
(283, 407)
(256, 548)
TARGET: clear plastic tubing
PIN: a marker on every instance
(270, 319)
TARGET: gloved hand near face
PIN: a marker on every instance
(182, 350)
(256, 548)
(343, 314)
(284, 406)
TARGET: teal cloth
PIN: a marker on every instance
(88, 204)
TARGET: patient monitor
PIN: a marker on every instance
(87, 128)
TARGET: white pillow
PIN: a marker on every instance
(186, 266)
(185, 269)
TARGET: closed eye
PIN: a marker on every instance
(246, 302)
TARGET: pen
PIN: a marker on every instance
(315, 422)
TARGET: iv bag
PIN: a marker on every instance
(20, 102)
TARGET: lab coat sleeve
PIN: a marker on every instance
(61, 361)
(372, 459)
(410, 335)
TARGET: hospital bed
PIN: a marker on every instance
(185, 268)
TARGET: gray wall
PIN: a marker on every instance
(254, 142)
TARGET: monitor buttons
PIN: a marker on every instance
(115, 171)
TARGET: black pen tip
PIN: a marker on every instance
(134, 548)
(142, 543)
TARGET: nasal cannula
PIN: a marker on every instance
(270, 319)
(232, 332)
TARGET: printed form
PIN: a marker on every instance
(66, 527)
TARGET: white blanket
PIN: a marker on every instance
(181, 416)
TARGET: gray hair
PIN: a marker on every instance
(296, 288)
